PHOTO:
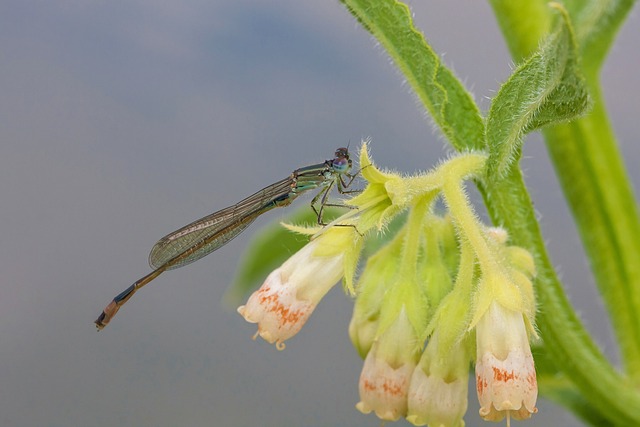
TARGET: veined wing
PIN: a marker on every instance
(201, 237)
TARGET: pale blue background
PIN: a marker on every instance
(121, 121)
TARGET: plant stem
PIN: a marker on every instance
(565, 339)
(594, 181)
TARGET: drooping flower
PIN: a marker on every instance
(505, 372)
(439, 385)
(291, 292)
(435, 401)
(385, 377)
(406, 294)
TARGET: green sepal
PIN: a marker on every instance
(377, 277)
(433, 273)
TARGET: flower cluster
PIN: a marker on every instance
(442, 286)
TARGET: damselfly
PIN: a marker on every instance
(200, 238)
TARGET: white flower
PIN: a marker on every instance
(436, 402)
(439, 386)
(291, 292)
(384, 381)
(505, 372)
(383, 388)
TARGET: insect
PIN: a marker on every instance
(201, 237)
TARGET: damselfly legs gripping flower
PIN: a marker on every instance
(444, 292)
(441, 286)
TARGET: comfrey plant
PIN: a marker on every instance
(445, 280)
(446, 294)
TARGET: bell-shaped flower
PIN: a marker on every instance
(439, 384)
(291, 292)
(505, 372)
(385, 377)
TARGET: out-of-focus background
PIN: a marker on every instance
(122, 121)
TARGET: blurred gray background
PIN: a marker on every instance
(122, 121)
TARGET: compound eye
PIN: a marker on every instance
(341, 164)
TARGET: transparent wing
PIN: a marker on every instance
(201, 237)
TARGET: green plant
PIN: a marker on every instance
(560, 49)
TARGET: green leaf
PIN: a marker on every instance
(592, 173)
(441, 93)
(547, 88)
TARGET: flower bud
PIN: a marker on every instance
(377, 277)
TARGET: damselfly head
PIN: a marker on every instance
(341, 162)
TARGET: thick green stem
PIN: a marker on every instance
(603, 205)
(524, 23)
(565, 339)
(592, 175)
(589, 166)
